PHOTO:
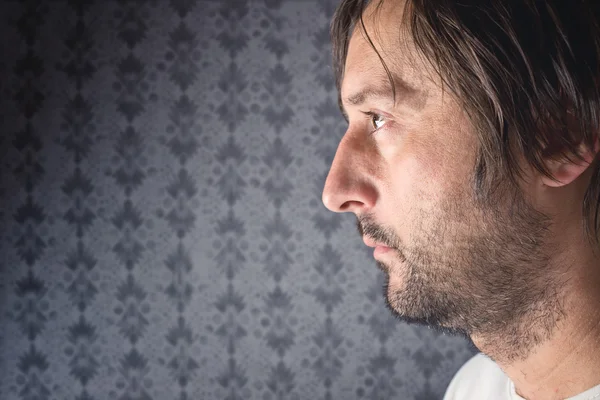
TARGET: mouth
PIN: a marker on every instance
(379, 248)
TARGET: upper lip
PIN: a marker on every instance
(371, 243)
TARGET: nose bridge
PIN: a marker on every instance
(348, 186)
(347, 157)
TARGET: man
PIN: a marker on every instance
(470, 162)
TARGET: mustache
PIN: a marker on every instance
(367, 227)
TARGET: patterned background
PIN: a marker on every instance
(162, 231)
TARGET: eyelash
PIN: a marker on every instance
(371, 115)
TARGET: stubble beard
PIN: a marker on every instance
(477, 272)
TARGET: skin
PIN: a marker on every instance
(519, 278)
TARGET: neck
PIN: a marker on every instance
(568, 362)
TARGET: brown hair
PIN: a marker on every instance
(526, 72)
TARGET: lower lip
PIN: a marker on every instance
(381, 250)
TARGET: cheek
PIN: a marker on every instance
(428, 166)
(411, 192)
(445, 157)
(420, 171)
(421, 180)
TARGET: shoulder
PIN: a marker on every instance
(479, 378)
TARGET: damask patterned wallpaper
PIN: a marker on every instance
(162, 231)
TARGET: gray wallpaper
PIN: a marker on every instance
(162, 234)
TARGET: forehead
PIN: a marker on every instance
(383, 29)
(362, 66)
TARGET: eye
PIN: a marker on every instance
(376, 120)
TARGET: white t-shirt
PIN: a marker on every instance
(482, 379)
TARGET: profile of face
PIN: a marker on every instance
(405, 168)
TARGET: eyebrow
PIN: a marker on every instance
(405, 94)
(368, 93)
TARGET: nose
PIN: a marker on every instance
(350, 185)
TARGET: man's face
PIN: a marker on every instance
(405, 170)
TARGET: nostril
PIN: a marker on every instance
(345, 206)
